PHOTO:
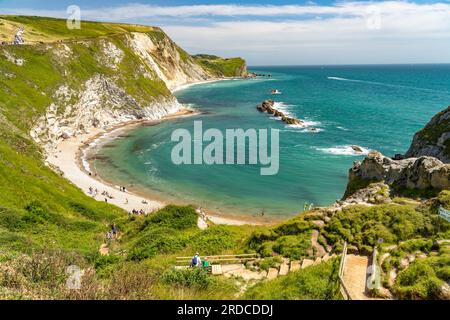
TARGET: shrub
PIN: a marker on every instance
(131, 281)
(176, 217)
(315, 282)
(213, 240)
(271, 262)
(194, 277)
(293, 247)
(36, 213)
(418, 281)
(10, 219)
(156, 241)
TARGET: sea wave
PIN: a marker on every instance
(385, 84)
(283, 107)
(346, 150)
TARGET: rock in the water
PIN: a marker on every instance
(357, 148)
(290, 120)
(267, 106)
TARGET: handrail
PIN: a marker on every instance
(343, 257)
(224, 255)
(219, 260)
(343, 289)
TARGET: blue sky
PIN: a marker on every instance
(281, 32)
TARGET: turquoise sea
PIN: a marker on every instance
(376, 107)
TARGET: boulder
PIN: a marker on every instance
(290, 120)
(357, 149)
(434, 139)
(412, 173)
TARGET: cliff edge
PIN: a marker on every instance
(434, 139)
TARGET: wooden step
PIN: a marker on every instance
(306, 263)
(295, 265)
(284, 269)
(272, 274)
(317, 261)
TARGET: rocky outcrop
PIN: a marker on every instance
(172, 65)
(100, 104)
(129, 76)
(411, 173)
(434, 139)
(268, 107)
(425, 166)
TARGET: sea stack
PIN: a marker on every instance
(268, 107)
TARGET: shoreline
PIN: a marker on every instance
(69, 158)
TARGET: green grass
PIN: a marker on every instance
(363, 226)
(431, 133)
(43, 210)
(173, 230)
(313, 283)
(51, 29)
(231, 67)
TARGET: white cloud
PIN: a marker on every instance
(347, 32)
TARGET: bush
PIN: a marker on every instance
(175, 217)
(418, 281)
(156, 241)
(316, 282)
(294, 247)
(36, 213)
(213, 240)
(271, 262)
(10, 219)
(131, 281)
(104, 264)
(194, 277)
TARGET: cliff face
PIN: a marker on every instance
(434, 139)
(425, 166)
(411, 173)
(63, 84)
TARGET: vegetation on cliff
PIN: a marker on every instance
(434, 138)
(229, 67)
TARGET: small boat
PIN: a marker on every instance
(275, 91)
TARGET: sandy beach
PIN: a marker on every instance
(69, 159)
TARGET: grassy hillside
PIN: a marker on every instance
(231, 67)
(51, 30)
(314, 283)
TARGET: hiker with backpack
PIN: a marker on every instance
(196, 261)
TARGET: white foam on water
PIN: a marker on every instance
(392, 85)
(344, 151)
(340, 79)
(342, 128)
(281, 106)
(306, 125)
